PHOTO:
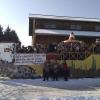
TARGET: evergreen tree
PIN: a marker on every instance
(11, 36)
(14, 37)
(1, 33)
(7, 34)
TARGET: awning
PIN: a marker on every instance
(65, 32)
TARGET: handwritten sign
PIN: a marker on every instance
(29, 59)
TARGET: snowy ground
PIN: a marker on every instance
(74, 89)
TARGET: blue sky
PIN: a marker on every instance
(15, 13)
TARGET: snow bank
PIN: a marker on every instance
(70, 98)
(28, 89)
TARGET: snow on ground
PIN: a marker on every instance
(28, 89)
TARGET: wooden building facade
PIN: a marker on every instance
(46, 29)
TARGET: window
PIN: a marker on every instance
(76, 27)
(50, 25)
(97, 28)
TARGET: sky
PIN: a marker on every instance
(15, 13)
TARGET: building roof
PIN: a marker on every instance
(66, 32)
(40, 16)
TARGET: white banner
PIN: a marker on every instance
(39, 58)
(29, 59)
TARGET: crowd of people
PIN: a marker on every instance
(54, 71)
(65, 51)
(38, 48)
(70, 49)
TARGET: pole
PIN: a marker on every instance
(33, 34)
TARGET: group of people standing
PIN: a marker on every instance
(54, 70)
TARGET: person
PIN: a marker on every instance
(46, 71)
(55, 72)
(65, 71)
(51, 72)
(72, 36)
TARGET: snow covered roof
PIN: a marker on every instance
(64, 18)
(66, 32)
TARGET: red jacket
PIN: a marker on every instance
(65, 67)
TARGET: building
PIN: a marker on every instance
(46, 29)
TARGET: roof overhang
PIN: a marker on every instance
(66, 32)
(53, 17)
